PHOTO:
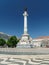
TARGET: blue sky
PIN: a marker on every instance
(11, 18)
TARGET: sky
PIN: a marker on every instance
(11, 17)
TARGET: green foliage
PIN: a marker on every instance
(12, 42)
(2, 42)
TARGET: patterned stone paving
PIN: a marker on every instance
(24, 60)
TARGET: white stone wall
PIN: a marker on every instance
(36, 44)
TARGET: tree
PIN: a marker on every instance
(2, 42)
(12, 42)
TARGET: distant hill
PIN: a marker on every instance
(4, 36)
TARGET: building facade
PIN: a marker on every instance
(41, 42)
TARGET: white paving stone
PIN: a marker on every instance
(13, 64)
(24, 60)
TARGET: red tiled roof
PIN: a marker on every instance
(42, 37)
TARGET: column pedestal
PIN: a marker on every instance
(25, 42)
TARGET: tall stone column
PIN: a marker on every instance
(25, 21)
(25, 40)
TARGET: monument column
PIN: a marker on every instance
(25, 21)
(25, 40)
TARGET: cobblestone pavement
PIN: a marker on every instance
(24, 60)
